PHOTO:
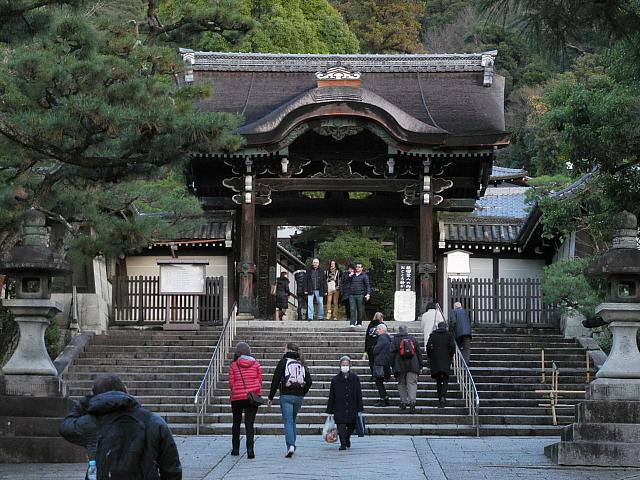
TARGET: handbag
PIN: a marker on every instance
(254, 399)
(360, 425)
(331, 286)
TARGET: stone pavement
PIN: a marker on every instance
(431, 458)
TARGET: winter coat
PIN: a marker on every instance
(459, 323)
(299, 277)
(321, 280)
(345, 286)
(371, 337)
(440, 349)
(282, 293)
(360, 284)
(278, 376)
(382, 350)
(404, 365)
(248, 369)
(345, 398)
(160, 459)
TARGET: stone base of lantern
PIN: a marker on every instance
(30, 385)
(606, 432)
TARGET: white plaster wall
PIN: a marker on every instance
(481, 267)
(520, 268)
(148, 266)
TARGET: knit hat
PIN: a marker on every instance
(243, 348)
(403, 330)
(345, 357)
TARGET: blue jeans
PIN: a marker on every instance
(356, 305)
(290, 406)
(318, 297)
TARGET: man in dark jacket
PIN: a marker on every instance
(315, 287)
(460, 327)
(359, 291)
(440, 349)
(381, 363)
(407, 364)
(370, 339)
(345, 290)
(91, 419)
(299, 276)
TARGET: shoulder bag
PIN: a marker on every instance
(254, 399)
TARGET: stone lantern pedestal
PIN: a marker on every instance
(607, 428)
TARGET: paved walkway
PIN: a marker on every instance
(431, 458)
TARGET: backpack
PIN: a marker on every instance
(407, 348)
(294, 374)
(121, 446)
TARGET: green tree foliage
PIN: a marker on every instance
(564, 284)
(351, 247)
(385, 26)
(93, 124)
(289, 26)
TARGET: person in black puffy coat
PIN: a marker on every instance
(109, 399)
(345, 401)
(440, 349)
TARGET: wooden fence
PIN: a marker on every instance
(502, 301)
(137, 301)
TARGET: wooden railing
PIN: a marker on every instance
(218, 359)
(137, 301)
(502, 301)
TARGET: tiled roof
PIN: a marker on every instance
(508, 202)
(504, 173)
(211, 230)
(487, 231)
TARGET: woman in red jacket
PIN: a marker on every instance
(245, 375)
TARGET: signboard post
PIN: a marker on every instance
(404, 299)
(186, 278)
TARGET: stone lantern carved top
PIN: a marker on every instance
(34, 254)
(623, 257)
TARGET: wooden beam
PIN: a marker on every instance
(335, 184)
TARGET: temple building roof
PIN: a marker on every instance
(443, 100)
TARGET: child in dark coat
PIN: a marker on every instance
(345, 401)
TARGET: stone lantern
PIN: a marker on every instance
(607, 428)
(30, 371)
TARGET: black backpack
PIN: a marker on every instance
(121, 446)
(407, 348)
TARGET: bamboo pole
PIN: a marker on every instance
(543, 379)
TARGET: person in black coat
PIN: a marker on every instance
(345, 401)
(109, 399)
(315, 288)
(371, 337)
(460, 327)
(381, 353)
(282, 295)
(299, 276)
(440, 349)
(345, 290)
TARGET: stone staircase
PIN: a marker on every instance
(164, 369)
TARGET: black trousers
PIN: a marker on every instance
(442, 384)
(302, 301)
(345, 430)
(382, 392)
(250, 411)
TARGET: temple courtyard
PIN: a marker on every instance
(432, 458)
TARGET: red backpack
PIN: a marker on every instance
(407, 348)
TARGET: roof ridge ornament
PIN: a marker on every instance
(488, 61)
(338, 73)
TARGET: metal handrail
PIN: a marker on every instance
(209, 382)
(465, 380)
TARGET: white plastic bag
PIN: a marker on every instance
(329, 431)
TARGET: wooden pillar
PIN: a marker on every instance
(266, 252)
(426, 255)
(246, 266)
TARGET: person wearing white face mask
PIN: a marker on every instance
(345, 401)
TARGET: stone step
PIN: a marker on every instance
(602, 432)
(594, 453)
